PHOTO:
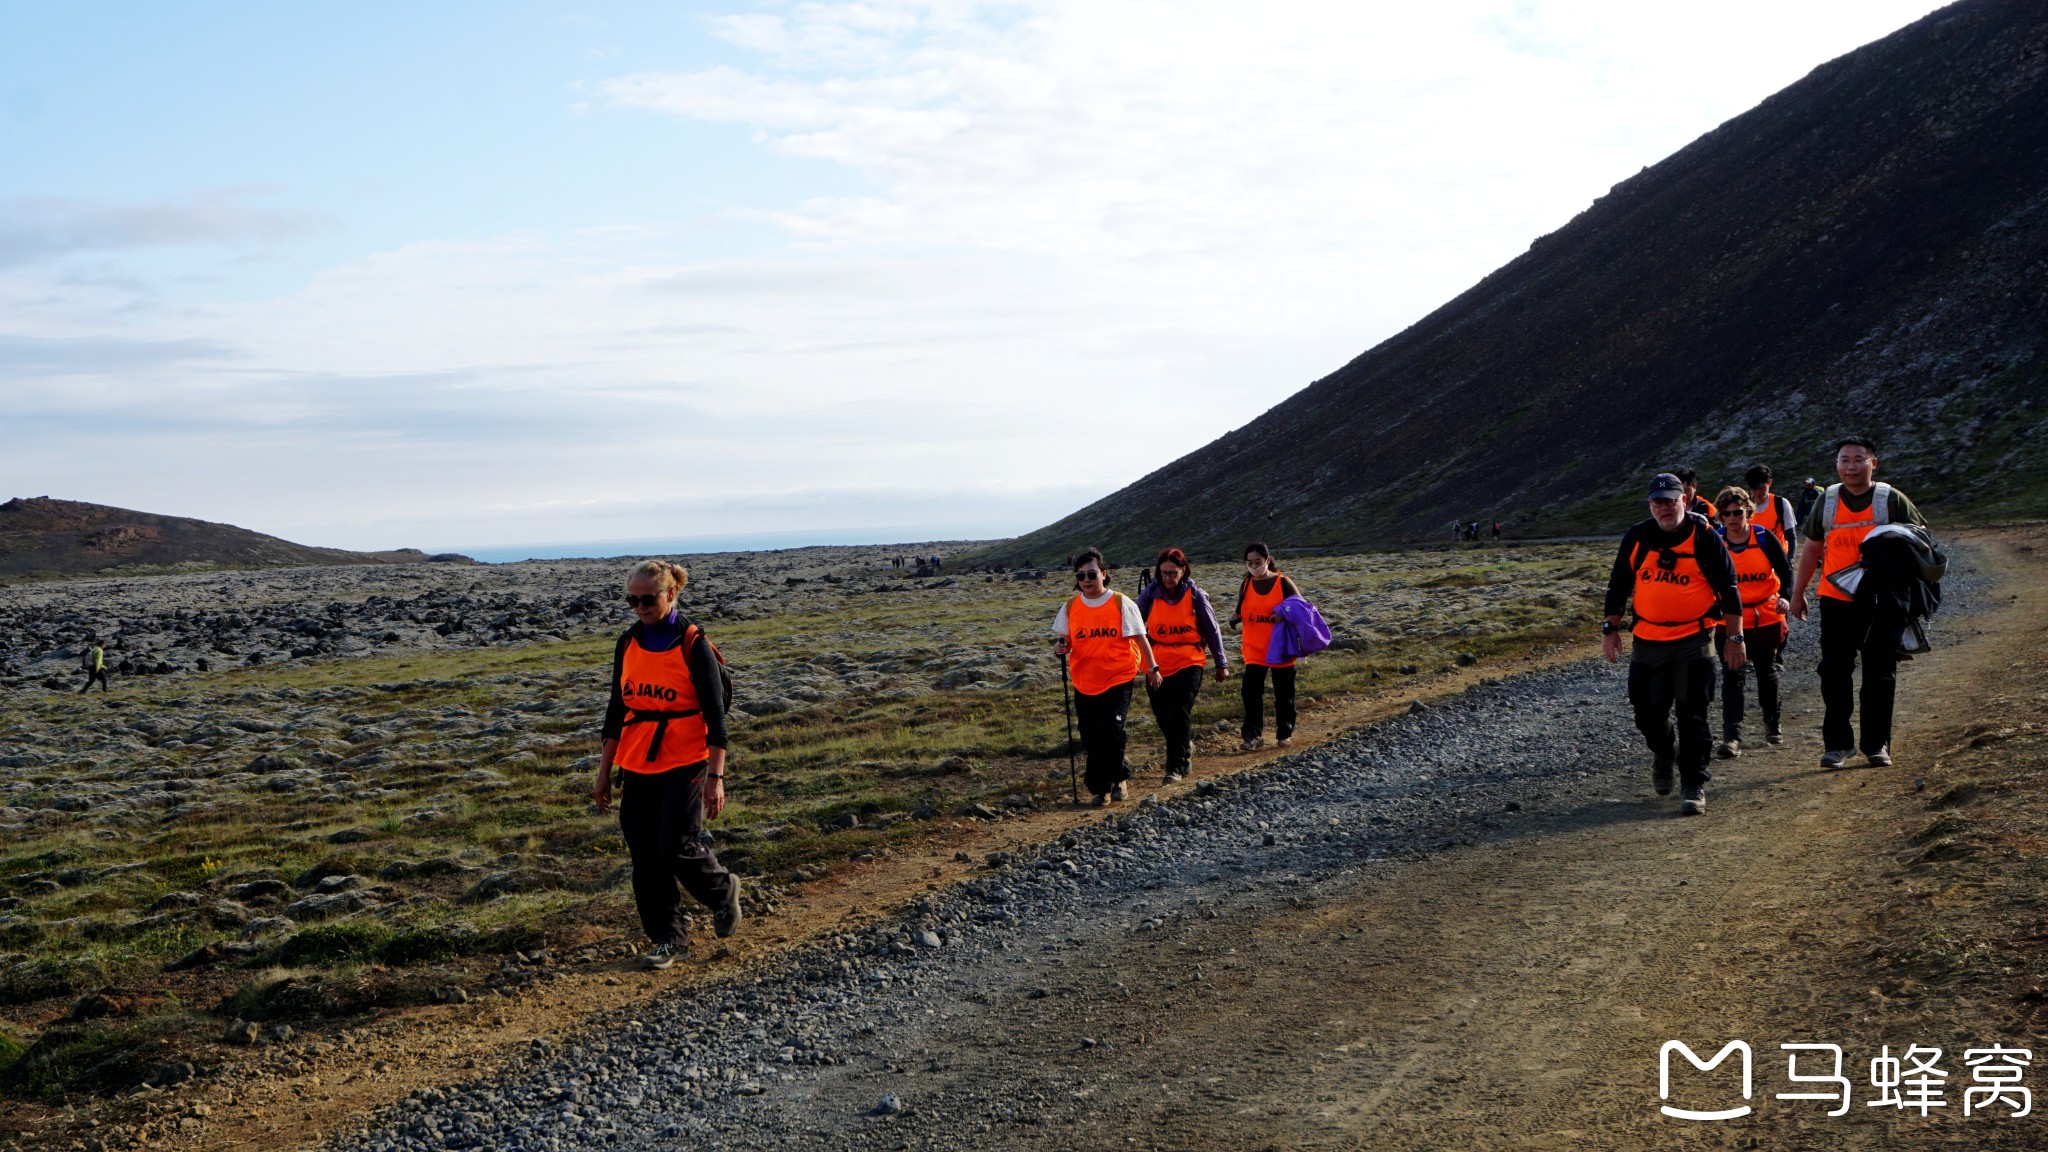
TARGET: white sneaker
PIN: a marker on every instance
(1117, 791)
(1836, 757)
(1882, 758)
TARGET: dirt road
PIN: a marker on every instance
(1274, 967)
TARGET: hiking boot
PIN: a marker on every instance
(661, 956)
(1882, 758)
(1102, 799)
(1772, 735)
(1283, 742)
(1836, 757)
(1173, 778)
(727, 918)
(1118, 791)
(1253, 744)
(1729, 749)
(1693, 801)
(1660, 776)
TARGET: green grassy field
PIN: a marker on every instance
(314, 842)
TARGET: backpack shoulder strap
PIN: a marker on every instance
(1881, 503)
(1830, 499)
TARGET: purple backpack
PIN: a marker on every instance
(1301, 631)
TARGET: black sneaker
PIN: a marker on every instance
(1117, 791)
(1772, 735)
(724, 920)
(1729, 749)
(1660, 776)
(1693, 801)
(661, 956)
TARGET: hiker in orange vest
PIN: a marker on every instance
(1682, 582)
(1770, 511)
(1102, 638)
(1761, 577)
(1263, 589)
(1836, 526)
(1693, 502)
(1180, 624)
(664, 730)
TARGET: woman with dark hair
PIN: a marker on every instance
(1102, 638)
(1263, 589)
(1180, 623)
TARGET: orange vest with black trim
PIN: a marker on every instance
(1259, 621)
(1766, 518)
(1844, 545)
(1757, 582)
(1176, 642)
(1099, 655)
(1672, 598)
(664, 723)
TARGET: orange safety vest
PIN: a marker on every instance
(1673, 601)
(1255, 611)
(1176, 642)
(1757, 582)
(1099, 656)
(665, 726)
(1766, 517)
(1843, 547)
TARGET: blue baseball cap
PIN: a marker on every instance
(1665, 486)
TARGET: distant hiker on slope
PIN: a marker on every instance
(94, 664)
(1841, 518)
(1180, 623)
(1102, 637)
(1808, 495)
(1761, 576)
(1263, 589)
(664, 729)
(1682, 582)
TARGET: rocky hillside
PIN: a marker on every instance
(41, 538)
(1864, 251)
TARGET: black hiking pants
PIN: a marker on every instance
(1684, 686)
(661, 814)
(1101, 720)
(1847, 632)
(1252, 689)
(99, 674)
(1765, 647)
(1173, 706)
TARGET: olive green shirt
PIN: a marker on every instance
(1899, 511)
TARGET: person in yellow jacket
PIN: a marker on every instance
(1102, 638)
(95, 665)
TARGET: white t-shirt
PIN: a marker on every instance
(1134, 624)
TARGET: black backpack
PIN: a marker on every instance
(724, 674)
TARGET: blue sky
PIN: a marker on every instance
(464, 275)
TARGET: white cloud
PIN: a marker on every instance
(43, 227)
(1092, 236)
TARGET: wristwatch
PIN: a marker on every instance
(1742, 640)
(1607, 628)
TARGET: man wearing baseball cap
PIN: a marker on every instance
(1676, 572)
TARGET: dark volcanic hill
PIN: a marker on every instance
(1865, 251)
(41, 537)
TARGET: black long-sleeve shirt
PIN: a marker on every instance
(1708, 548)
(704, 678)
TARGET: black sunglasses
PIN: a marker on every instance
(650, 600)
(1088, 574)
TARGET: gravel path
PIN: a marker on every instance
(930, 1032)
(803, 1055)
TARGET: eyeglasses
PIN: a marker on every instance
(1088, 574)
(648, 601)
(1733, 513)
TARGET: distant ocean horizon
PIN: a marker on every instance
(732, 542)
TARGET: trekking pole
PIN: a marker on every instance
(1067, 698)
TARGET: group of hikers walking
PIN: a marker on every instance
(1717, 579)
(1704, 581)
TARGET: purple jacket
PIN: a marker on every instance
(1301, 631)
